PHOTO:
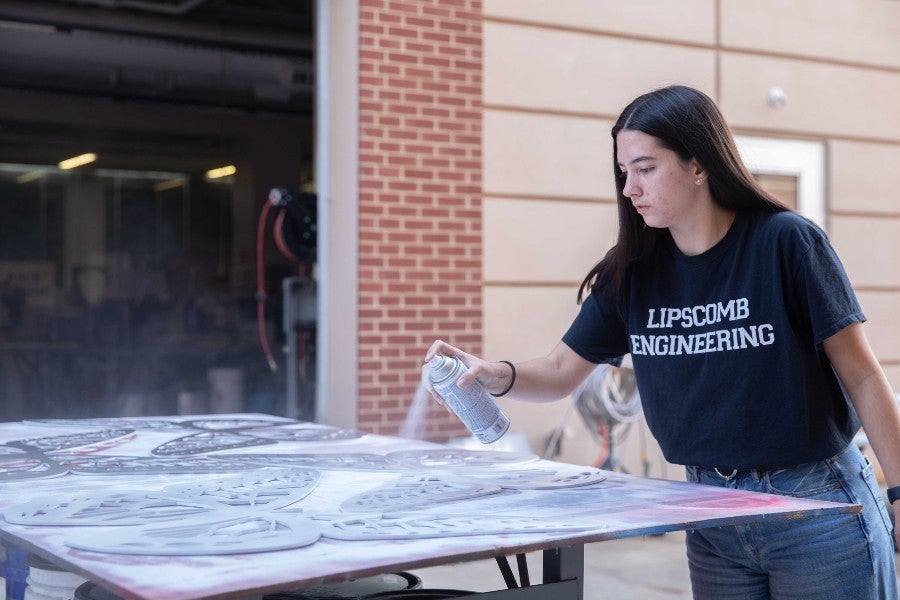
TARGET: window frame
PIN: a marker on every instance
(800, 158)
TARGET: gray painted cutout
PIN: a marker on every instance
(237, 535)
(266, 489)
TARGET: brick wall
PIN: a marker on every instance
(420, 205)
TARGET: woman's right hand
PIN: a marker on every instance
(492, 376)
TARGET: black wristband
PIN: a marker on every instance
(512, 380)
(892, 493)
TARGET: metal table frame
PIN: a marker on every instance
(563, 578)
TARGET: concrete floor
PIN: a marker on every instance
(642, 568)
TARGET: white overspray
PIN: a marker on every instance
(417, 417)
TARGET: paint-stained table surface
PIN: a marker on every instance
(483, 502)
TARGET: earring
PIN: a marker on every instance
(699, 181)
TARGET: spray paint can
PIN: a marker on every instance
(473, 405)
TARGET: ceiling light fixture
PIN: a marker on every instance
(221, 172)
(77, 161)
(29, 177)
(170, 184)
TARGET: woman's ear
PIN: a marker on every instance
(697, 169)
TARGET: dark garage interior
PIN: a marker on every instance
(128, 277)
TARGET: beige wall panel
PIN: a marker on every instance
(864, 177)
(682, 20)
(546, 69)
(524, 323)
(547, 155)
(537, 241)
(883, 327)
(864, 31)
(821, 99)
(869, 247)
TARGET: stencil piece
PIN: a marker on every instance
(452, 458)
(133, 508)
(223, 423)
(151, 424)
(336, 462)
(540, 479)
(305, 434)
(405, 527)
(138, 465)
(267, 489)
(27, 463)
(103, 439)
(257, 533)
(415, 491)
(207, 441)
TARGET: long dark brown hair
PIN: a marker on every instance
(687, 122)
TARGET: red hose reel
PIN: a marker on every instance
(294, 232)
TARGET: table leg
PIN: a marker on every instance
(563, 564)
(563, 579)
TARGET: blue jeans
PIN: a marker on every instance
(839, 557)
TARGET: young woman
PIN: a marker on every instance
(749, 352)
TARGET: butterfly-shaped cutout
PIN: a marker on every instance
(264, 489)
(207, 441)
(350, 461)
(415, 491)
(540, 479)
(125, 508)
(153, 465)
(452, 458)
(92, 441)
(19, 463)
(306, 433)
(233, 535)
(403, 527)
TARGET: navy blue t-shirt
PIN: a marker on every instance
(726, 345)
